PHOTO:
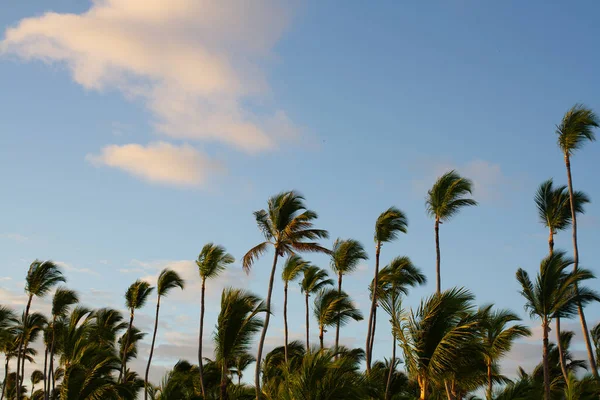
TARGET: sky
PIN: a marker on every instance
(133, 132)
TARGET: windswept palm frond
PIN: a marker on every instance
(212, 260)
(447, 196)
(576, 127)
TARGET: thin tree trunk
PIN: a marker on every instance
(200, 338)
(489, 377)
(151, 350)
(124, 361)
(223, 383)
(45, 370)
(391, 372)
(373, 332)
(545, 361)
(437, 256)
(263, 335)
(17, 380)
(307, 324)
(337, 327)
(285, 324)
(423, 388)
(449, 393)
(561, 353)
(584, 328)
(23, 365)
(321, 336)
(5, 377)
(373, 306)
(51, 363)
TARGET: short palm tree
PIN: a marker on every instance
(313, 281)
(345, 257)
(498, 337)
(555, 292)
(36, 377)
(212, 261)
(294, 265)
(242, 362)
(237, 323)
(287, 225)
(167, 280)
(28, 330)
(576, 128)
(445, 199)
(8, 321)
(387, 227)
(135, 298)
(334, 308)
(42, 276)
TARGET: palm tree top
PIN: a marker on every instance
(389, 224)
(400, 274)
(292, 268)
(554, 206)
(331, 307)
(212, 260)
(137, 294)
(314, 279)
(346, 255)
(576, 127)
(499, 334)
(62, 300)
(42, 277)
(447, 196)
(167, 280)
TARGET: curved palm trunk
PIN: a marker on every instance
(263, 335)
(437, 256)
(307, 324)
(388, 385)
(321, 334)
(285, 324)
(373, 307)
(373, 332)
(423, 384)
(489, 377)
(51, 363)
(200, 338)
(584, 328)
(561, 353)
(19, 358)
(5, 376)
(545, 361)
(223, 382)
(151, 350)
(337, 325)
(45, 370)
(124, 355)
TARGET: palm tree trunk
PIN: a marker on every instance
(391, 372)
(124, 355)
(373, 332)
(307, 324)
(200, 338)
(449, 393)
(51, 363)
(151, 350)
(23, 364)
(373, 306)
(337, 326)
(263, 335)
(17, 380)
(545, 361)
(561, 353)
(5, 376)
(285, 324)
(45, 370)
(223, 382)
(423, 387)
(321, 336)
(437, 256)
(489, 377)
(584, 328)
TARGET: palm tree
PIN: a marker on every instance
(42, 276)
(242, 362)
(576, 128)
(287, 225)
(294, 265)
(8, 321)
(212, 260)
(387, 227)
(135, 298)
(36, 377)
(167, 280)
(498, 338)
(28, 330)
(554, 293)
(237, 323)
(313, 281)
(345, 257)
(334, 308)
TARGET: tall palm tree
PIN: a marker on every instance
(576, 128)
(555, 292)
(8, 321)
(333, 307)
(167, 280)
(287, 225)
(313, 281)
(135, 298)
(498, 337)
(387, 227)
(237, 323)
(345, 257)
(292, 268)
(28, 330)
(42, 276)
(212, 261)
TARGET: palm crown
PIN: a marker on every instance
(137, 294)
(554, 207)
(576, 127)
(389, 224)
(400, 275)
(314, 280)
(292, 268)
(42, 277)
(332, 307)
(212, 260)
(167, 280)
(61, 301)
(447, 196)
(346, 255)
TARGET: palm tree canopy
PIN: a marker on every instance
(447, 196)
(30, 328)
(400, 275)
(137, 294)
(498, 336)
(576, 127)
(554, 205)
(314, 279)
(292, 268)
(106, 325)
(389, 224)
(7, 318)
(332, 307)
(61, 302)
(346, 255)
(42, 277)
(212, 260)
(287, 225)
(167, 280)
(37, 376)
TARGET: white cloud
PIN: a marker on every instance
(158, 162)
(17, 237)
(70, 268)
(195, 64)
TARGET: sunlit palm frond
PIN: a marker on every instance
(167, 280)
(137, 294)
(576, 127)
(212, 260)
(389, 224)
(447, 196)
(42, 276)
(292, 268)
(346, 255)
(62, 300)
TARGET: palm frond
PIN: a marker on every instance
(167, 280)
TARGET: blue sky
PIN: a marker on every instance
(133, 135)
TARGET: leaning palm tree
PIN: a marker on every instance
(36, 377)
(497, 337)
(237, 323)
(242, 362)
(445, 199)
(294, 265)
(28, 330)
(334, 308)
(387, 227)
(167, 280)
(555, 292)
(313, 281)
(42, 276)
(212, 261)
(8, 321)
(287, 225)
(345, 257)
(135, 298)
(576, 128)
